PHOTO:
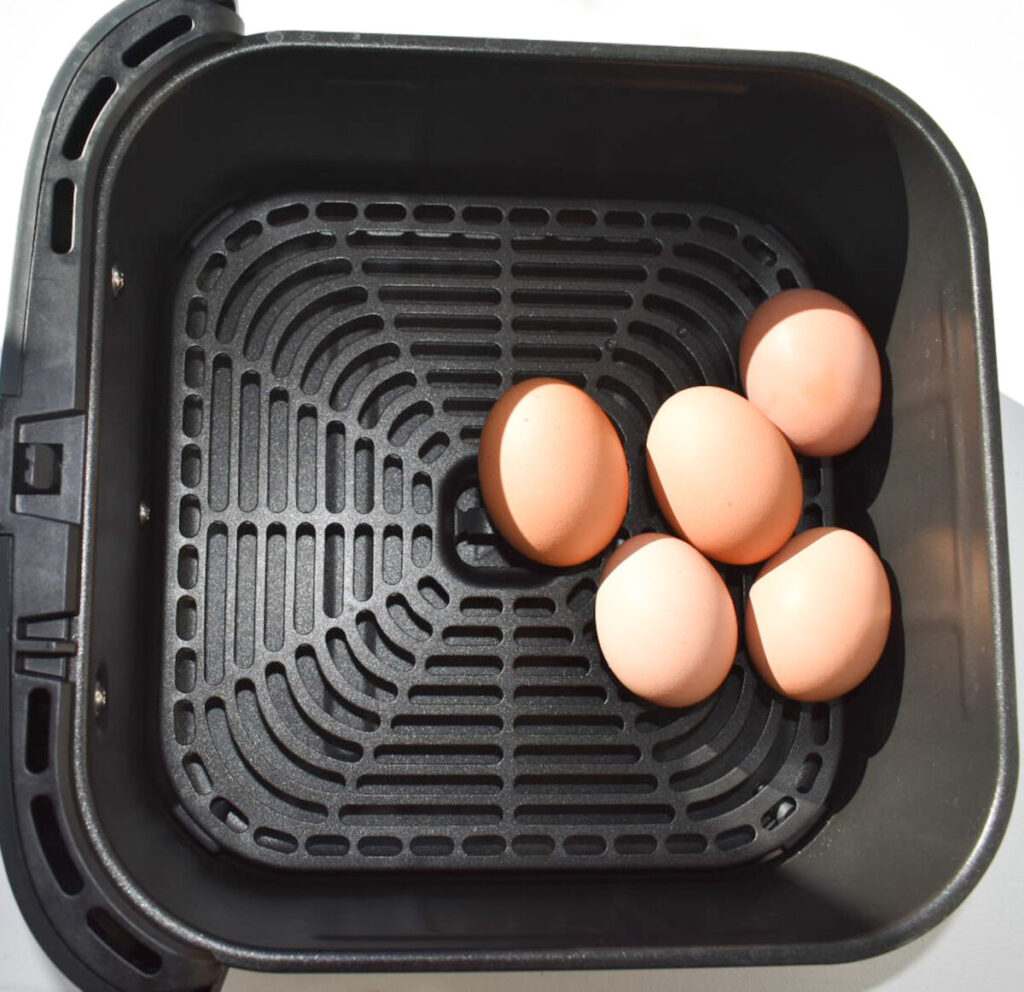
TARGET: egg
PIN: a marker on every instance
(723, 475)
(665, 620)
(553, 474)
(818, 615)
(809, 364)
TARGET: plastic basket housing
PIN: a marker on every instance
(275, 694)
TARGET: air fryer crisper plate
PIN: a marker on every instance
(357, 671)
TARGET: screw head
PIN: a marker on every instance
(99, 698)
(116, 281)
(143, 513)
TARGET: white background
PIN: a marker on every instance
(962, 62)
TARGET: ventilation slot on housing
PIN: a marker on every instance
(62, 217)
(122, 943)
(44, 819)
(148, 45)
(88, 113)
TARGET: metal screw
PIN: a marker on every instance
(143, 514)
(116, 281)
(99, 698)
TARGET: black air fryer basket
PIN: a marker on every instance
(275, 694)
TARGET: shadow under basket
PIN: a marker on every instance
(279, 697)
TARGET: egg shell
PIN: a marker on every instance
(665, 620)
(553, 474)
(818, 615)
(723, 475)
(809, 364)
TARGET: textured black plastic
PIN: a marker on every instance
(357, 670)
(885, 216)
(69, 896)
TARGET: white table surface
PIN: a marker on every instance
(962, 63)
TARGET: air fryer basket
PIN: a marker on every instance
(279, 697)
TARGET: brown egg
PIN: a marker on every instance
(811, 367)
(665, 620)
(723, 475)
(553, 474)
(818, 615)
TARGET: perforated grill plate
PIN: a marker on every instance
(357, 672)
